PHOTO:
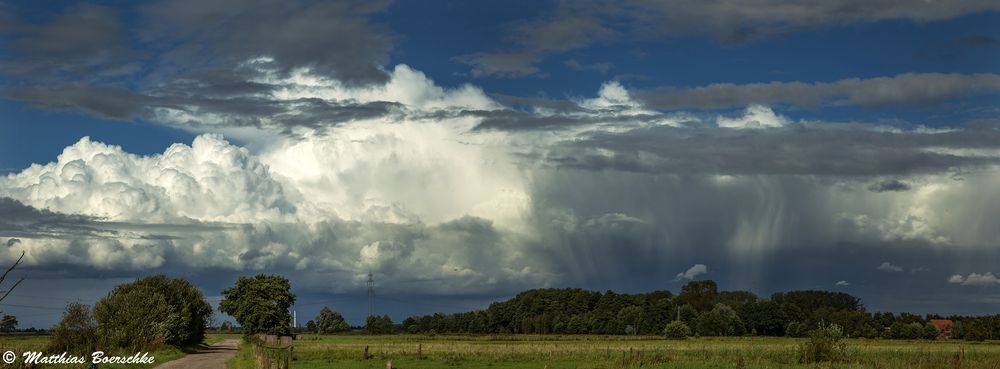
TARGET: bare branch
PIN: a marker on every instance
(11, 289)
(4, 276)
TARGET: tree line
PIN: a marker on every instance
(157, 311)
(699, 309)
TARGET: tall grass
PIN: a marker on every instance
(617, 352)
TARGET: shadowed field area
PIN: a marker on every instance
(554, 352)
(20, 343)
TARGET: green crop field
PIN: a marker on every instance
(558, 352)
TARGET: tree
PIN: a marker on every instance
(260, 304)
(722, 320)
(976, 330)
(379, 324)
(152, 311)
(764, 317)
(677, 330)
(329, 321)
(930, 332)
(688, 314)
(8, 323)
(912, 331)
(76, 332)
(702, 295)
(311, 326)
(629, 317)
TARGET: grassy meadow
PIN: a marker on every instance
(558, 352)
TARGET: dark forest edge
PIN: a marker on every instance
(699, 310)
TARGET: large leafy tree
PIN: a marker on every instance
(722, 320)
(329, 321)
(703, 295)
(260, 304)
(766, 318)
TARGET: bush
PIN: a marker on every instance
(722, 320)
(76, 332)
(825, 344)
(869, 332)
(150, 312)
(976, 330)
(931, 332)
(796, 329)
(131, 318)
(677, 330)
(912, 331)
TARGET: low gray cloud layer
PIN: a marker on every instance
(904, 89)
(840, 150)
(580, 24)
(334, 38)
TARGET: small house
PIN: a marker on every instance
(944, 328)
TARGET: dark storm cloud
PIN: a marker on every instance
(85, 42)
(515, 120)
(893, 185)
(240, 104)
(20, 220)
(559, 106)
(102, 101)
(904, 89)
(802, 149)
(25, 221)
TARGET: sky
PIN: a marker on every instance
(462, 151)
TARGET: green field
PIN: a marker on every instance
(558, 352)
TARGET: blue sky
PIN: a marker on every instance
(465, 151)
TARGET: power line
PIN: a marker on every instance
(33, 307)
(371, 295)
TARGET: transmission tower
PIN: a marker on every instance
(371, 295)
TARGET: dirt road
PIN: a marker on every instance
(214, 357)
